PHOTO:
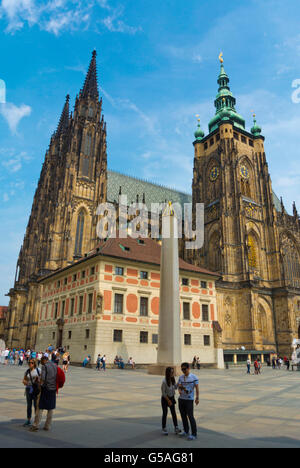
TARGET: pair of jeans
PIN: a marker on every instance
(186, 408)
(165, 406)
(31, 398)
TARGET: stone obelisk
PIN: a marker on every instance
(169, 338)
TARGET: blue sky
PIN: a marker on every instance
(158, 66)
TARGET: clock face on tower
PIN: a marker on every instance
(244, 172)
(214, 174)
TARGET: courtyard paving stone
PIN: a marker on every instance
(122, 409)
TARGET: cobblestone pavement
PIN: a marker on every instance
(122, 409)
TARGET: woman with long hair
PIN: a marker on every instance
(31, 381)
(168, 389)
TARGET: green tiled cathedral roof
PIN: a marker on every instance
(154, 193)
(132, 186)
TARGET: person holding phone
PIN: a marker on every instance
(187, 384)
(168, 389)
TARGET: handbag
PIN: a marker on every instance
(36, 388)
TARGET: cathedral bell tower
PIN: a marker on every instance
(231, 178)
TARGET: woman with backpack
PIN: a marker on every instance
(52, 379)
(31, 381)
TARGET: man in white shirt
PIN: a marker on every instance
(6, 353)
(187, 383)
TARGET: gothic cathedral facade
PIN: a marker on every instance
(62, 224)
(249, 237)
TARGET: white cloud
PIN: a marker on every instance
(57, 16)
(18, 12)
(114, 24)
(13, 162)
(14, 114)
(126, 104)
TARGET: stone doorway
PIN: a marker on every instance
(60, 332)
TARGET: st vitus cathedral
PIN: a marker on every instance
(250, 239)
(62, 224)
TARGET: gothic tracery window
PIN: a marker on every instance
(252, 253)
(79, 233)
(86, 163)
(215, 252)
(291, 262)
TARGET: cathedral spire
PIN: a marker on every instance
(225, 103)
(90, 87)
(64, 118)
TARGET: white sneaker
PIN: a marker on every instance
(165, 432)
(177, 430)
(183, 434)
(191, 437)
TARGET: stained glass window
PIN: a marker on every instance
(252, 252)
(79, 233)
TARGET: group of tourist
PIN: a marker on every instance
(101, 362)
(278, 362)
(186, 386)
(42, 385)
(196, 363)
(16, 357)
(119, 362)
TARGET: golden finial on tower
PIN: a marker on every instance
(221, 57)
(198, 117)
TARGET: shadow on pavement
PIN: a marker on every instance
(124, 433)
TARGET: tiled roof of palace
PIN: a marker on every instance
(141, 250)
(154, 193)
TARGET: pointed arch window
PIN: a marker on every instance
(79, 233)
(291, 262)
(252, 253)
(87, 150)
(88, 144)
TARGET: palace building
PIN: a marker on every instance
(251, 242)
(108, 302)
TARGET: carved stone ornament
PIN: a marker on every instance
(99, 305)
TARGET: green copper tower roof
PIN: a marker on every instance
(199, 133)
(225, 104)
(256, 129)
